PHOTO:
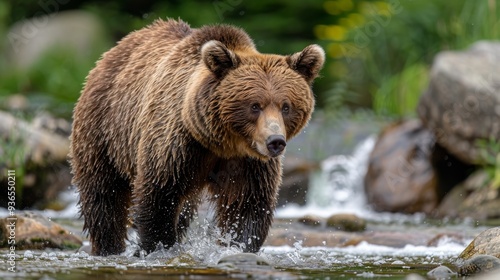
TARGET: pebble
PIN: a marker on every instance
(414, 276)
(441, 272)
(28, 254)
(346, 222)
(244, 259)
(310, 220)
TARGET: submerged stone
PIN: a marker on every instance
(480, 263)
(414, 276)
(310, 220)
(441, 272)
(244, 259)
(346, 222)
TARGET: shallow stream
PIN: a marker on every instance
(200, 258)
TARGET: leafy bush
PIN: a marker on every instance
(383, 49)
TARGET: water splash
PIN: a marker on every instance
(202, 246)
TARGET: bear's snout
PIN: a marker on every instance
(275, 144)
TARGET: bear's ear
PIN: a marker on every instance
(218, 58)
(308, 62)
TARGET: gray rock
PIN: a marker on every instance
(441, 272)
(462, 103)
(479, 264)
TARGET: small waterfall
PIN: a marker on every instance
(338, 186)
(340, 181)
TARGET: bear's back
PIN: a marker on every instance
(146, 73)
(110, 102)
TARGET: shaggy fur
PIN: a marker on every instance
(171, 111)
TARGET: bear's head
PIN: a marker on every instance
(244, 103)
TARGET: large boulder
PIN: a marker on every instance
(408, 172)
(400, 177)
(462, 103)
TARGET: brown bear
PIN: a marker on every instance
(172, 111)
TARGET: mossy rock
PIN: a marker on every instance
(346, 222)
(486, 243)
(36, 232)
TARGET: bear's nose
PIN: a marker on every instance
(275, 144)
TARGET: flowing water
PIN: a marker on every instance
(337, 189)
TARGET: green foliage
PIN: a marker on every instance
(54, 81)
(490, 159)
(383, 49)
(13, 154)
(398, 95)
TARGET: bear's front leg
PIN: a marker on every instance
(246, 194)
(104, 196)
(156, 213)
(166, 188)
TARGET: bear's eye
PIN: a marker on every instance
(285, 109)
(255, 108)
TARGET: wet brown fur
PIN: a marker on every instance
(156, 124)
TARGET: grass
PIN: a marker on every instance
(54, 82)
